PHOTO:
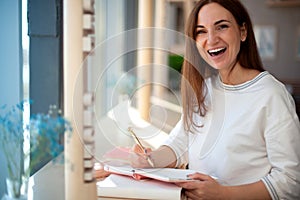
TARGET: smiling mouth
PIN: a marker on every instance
(216, 52)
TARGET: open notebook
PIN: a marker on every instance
(132, 183)
(127, 182)
(152, 183)
(161, 174)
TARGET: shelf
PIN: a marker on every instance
(283, 3)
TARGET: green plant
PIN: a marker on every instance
(175, 62)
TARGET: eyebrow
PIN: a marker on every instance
(216, 23)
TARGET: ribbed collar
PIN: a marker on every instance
(242, 85)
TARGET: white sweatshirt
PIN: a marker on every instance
(251, 132)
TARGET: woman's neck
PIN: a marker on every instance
(237, 75)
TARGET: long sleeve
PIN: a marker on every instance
(282, 140)
(178, 142)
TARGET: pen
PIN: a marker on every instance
(136, 139)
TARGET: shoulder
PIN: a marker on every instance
(276, 95)
(271, 82)
(272, 87)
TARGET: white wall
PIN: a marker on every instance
(286, 20)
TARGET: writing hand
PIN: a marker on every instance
(138, 157)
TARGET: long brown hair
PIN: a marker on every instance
(195, 70)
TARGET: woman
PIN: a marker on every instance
(239, 123)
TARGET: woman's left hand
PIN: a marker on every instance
(204, 187)
(99, 172)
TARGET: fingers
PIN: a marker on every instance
(191, 194)
(99, 172)
(199, 179)
(190, 185)
(139, 161)
(148, 151)
(137, 149)
(203, 187)
(138, 158)
(200, 176)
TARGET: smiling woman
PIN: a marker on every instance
(223, 37)
(238, 122)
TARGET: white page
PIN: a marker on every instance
(167, 174)
(163, 174)
(127, 187)
(124, 170)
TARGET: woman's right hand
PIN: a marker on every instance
(138, 157)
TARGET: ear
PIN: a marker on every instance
(243, 30)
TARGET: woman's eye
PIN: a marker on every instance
(199, 32)
(223, 26)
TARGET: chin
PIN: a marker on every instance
(217, 67)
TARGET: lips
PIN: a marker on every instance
(216, 52)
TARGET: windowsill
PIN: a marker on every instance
(47, 183)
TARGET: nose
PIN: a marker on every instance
(212, 37)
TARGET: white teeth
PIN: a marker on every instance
(215, 50)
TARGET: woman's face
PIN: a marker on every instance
(218, 36)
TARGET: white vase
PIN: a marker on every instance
(16, 189)
(13, 188)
